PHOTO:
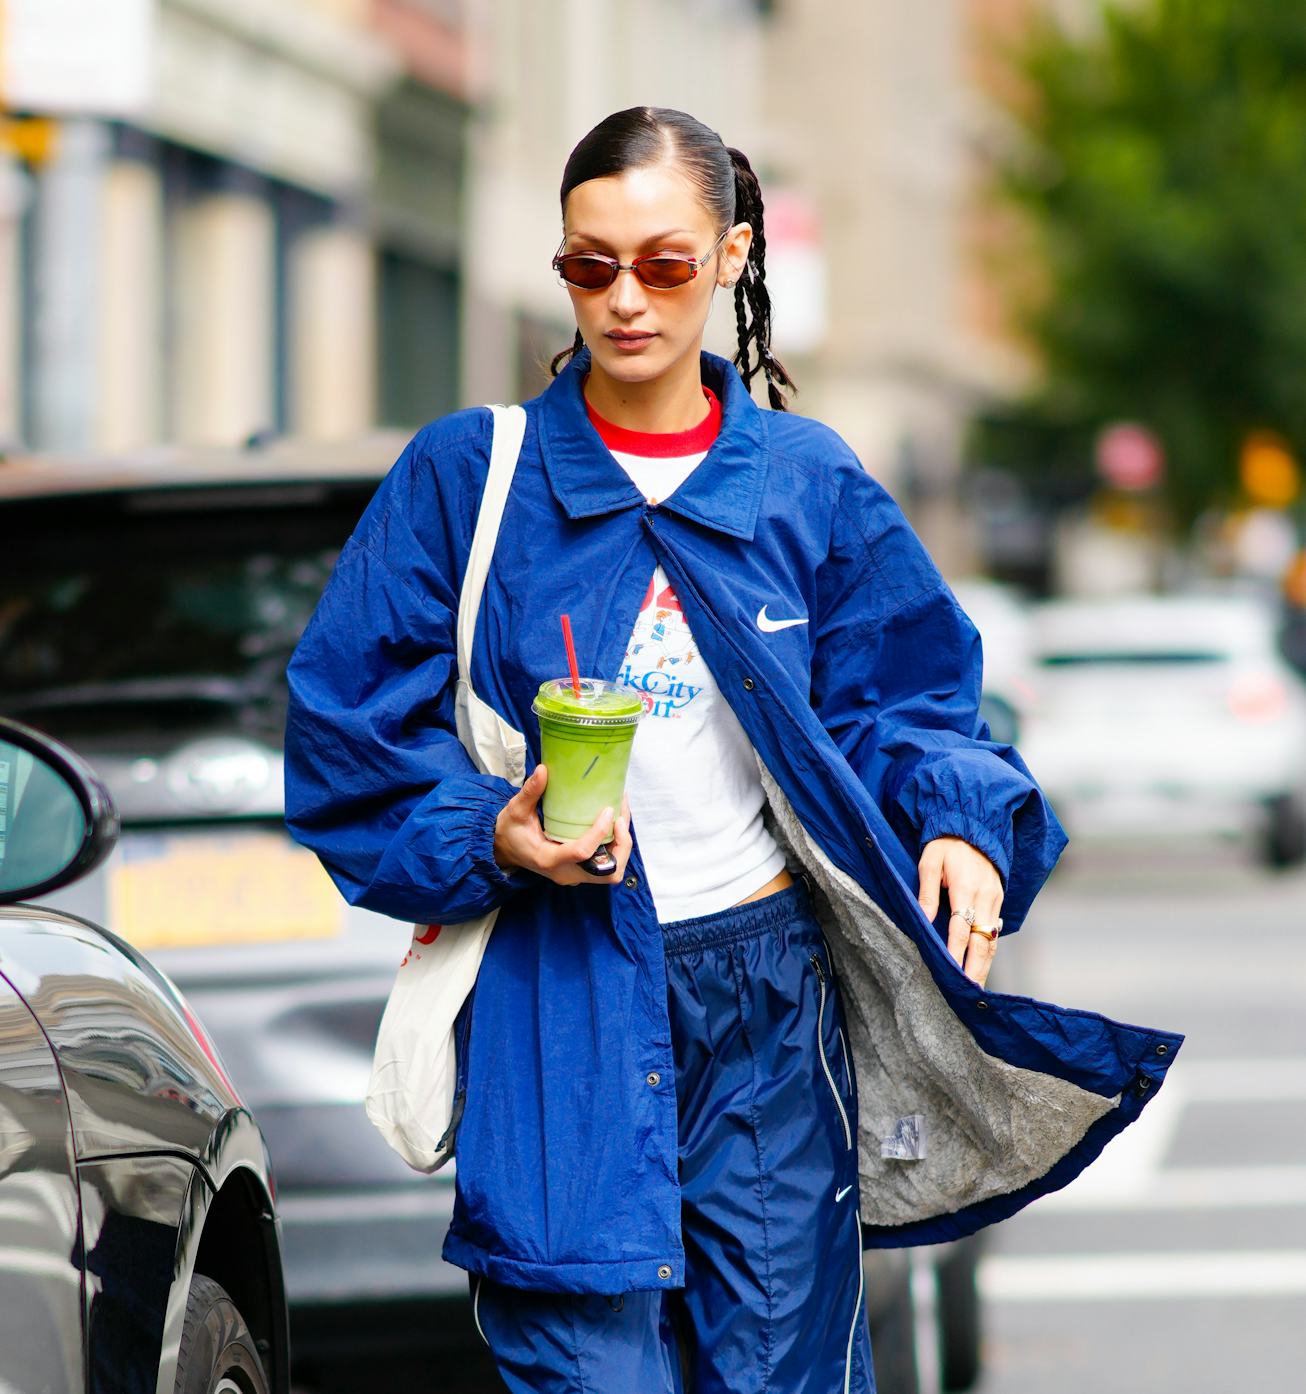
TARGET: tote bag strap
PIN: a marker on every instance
(509, 431)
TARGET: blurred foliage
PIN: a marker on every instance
(1160, 161)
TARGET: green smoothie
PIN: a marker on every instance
(585, 742)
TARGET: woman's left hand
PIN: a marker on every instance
(973, 883)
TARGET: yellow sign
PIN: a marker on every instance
(31, 138)
(177, 890)
(1269, 473)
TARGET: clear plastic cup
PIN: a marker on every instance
(585, 742)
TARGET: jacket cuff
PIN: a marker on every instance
(481, 840)
(954, 823)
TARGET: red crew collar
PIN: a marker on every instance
(663, 444)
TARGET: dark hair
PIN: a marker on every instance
(724, 180)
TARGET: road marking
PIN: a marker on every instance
(1133, 1276)
(429, 1202)
(1130, 1175)
(1187, 1188)
(1130, 1164)
(1273, 1079)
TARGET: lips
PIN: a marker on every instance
(627, 338)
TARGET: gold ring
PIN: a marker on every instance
(989, 931)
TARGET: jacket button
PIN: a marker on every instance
(632, 881)
(748, 684)
(654, 1079)
(664, 1272)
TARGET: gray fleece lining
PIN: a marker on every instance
(990, 1127)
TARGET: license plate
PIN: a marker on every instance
(174, 890)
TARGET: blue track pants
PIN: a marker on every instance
(773, 1296)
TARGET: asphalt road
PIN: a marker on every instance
(1177, 1261)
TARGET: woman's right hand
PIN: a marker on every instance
(519, 840)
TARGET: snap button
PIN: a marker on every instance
(1163, 1049)
(654, 1079)
(1144, 1084)
(632, 881)
(748, 684)
(982, 1006)
(664, 1272)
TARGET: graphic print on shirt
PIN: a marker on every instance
(662, 662)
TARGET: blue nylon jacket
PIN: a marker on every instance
(865, 717)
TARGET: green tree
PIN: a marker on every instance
(1160, 163)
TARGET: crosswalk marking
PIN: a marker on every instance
(1187, 1188)
(1140, 1276)
(1130, 1175)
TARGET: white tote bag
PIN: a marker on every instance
(410, 1096)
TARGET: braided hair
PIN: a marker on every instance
(750, 290)
(724, 180)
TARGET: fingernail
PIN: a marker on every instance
(606, 814)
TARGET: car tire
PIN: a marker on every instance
(1285, 838)
(217, 1351)
(959, 1315)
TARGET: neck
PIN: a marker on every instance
(673, 401)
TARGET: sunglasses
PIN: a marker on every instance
(658, 271)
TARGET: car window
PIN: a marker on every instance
(160, 623)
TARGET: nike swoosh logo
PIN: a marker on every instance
(839, 1195)
(769, 626)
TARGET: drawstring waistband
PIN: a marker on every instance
(736, 922)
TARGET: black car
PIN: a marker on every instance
(139, 1240)
(148, 614)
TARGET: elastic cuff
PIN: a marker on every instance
(971, 830)
(482, 845)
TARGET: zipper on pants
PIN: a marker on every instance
(820, 1049)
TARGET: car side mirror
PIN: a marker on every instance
(57, 820)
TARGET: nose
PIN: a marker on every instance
(626, 296)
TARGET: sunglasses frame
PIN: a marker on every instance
(695, 264)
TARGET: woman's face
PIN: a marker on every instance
(650, 209)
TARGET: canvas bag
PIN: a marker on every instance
(410, 1095)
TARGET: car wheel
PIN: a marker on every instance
(1285, 838)
(959, 1315)
(217, 1354)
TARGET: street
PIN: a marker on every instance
(1177, 1261)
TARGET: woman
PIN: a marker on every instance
(691, 1089)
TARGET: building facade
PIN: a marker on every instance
(259, 233)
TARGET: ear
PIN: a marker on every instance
(734, 253)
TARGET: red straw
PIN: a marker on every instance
(571, 655)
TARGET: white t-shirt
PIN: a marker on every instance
(694, 788)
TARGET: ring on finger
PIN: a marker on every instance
(968, 914)
(989, 931)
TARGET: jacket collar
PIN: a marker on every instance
(724, 492)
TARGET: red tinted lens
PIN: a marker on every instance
(588, 273)
(664, 272)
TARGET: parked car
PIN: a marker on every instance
(1170, 716)
(147, 612)
(140, 1246)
